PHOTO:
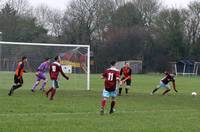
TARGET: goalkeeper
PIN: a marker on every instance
(18, 79)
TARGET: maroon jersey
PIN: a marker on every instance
(54, 70)
(126, 71)
(168, 78)
(111, 76)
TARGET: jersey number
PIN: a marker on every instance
(53, 68)
(110, 76)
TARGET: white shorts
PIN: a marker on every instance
(108, 94)
(54, 84)
(162, 85)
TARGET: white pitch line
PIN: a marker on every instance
(84, 113)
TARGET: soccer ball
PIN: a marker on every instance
(194, 93)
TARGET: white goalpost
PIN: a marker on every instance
(76, 58)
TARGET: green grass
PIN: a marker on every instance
(77, 110)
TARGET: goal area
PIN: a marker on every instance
(75, 61)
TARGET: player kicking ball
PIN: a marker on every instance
(18, 77)
(55, 69)
(126, 71)
(111, 77)
(164, 83)
(41, 75)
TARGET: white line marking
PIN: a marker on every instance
(84, 113)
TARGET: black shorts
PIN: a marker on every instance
(18, 80)
(128, 81)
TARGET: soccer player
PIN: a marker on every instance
(41, 75)
(55, 69)
(111, 77)
(164, 83)
(18, 77)
(126, 71)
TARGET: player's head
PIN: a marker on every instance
(166, 73)
(112, 63)
(24, 59)
(173, 74)
(126, 64)
(57, 58)
(48, 59)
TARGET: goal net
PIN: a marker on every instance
(75, 61)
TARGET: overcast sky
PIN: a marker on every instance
(61, 4)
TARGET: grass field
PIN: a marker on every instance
(77, 110)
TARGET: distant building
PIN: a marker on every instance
(186, 67)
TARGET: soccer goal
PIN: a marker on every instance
(75, 62)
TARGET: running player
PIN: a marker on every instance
(164, 83)
(126, 71)
(18, 77)
(55, 69)
(41, 75)
(111, 77)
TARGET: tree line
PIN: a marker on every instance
(116, 29)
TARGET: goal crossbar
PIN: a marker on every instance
(60, 45)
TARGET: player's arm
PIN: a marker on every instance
(63, 74)
(128, 77)
(118, 78)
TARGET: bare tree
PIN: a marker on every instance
(192, 24)
(51, 19)
(148, 9)
(22, 7)
(87, 18)
(119, 3)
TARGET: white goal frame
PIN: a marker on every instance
(54, 45)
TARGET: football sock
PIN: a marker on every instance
(103, 103)
(112, 104)
(120, 91)
(11, 91)
(47, 93)
(35, 85)
(126, 90)
(52, 93)
(155, 90)
(166, 91)
(14, 87)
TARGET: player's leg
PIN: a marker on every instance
(35, 84)
(167, 90)
(17, 84)
(113, 101)
(156, 89)
(128, 85)
(105, 96)
(47, 93)
(120, 91)
(53, 91)
(161, 85)
(43, 77)
(44, 85)
(120, 88)
(103, 105)
(112, 105)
